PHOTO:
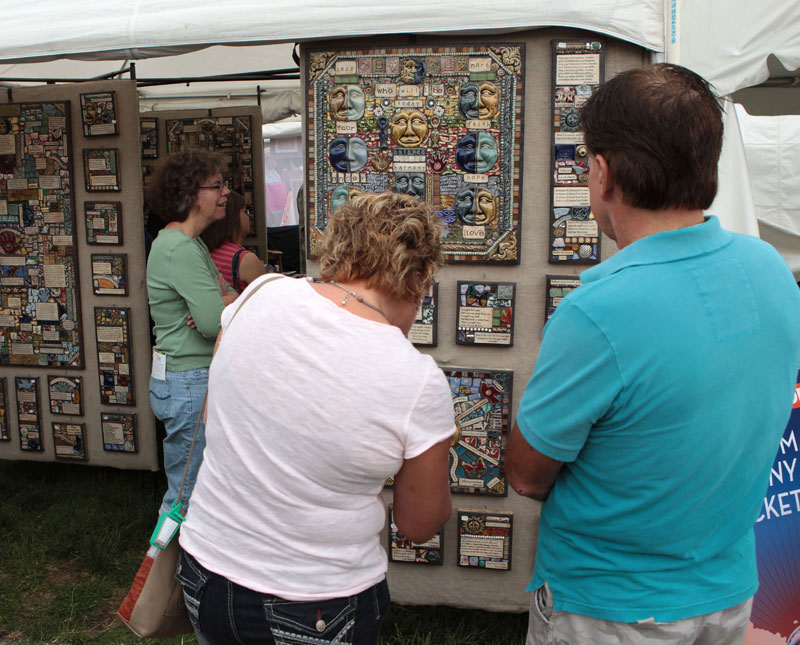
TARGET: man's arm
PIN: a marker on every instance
(529, 472)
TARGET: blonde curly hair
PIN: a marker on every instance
(390, 240)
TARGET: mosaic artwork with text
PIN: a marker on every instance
(442, 124)
(39, 310)
(578, 70)
(482, 404)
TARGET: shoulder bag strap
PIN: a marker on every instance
(205, 397)
(237, 258)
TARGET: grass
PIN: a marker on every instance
(71, 539)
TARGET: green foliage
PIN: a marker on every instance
(72, 538)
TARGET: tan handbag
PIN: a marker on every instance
(154, 606)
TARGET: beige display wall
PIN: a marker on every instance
(254, 112)
(130, 196)
(472, 587)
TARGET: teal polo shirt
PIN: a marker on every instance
(664, 382)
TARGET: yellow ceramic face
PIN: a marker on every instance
(488, 96)
(485, 212)
(407, 70)
(337, 103)
(409, 128)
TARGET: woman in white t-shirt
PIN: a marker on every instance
(315, 398)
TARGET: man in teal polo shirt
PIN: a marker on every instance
(661, 389)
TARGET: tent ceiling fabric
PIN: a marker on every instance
(122, 29)
(728, 42)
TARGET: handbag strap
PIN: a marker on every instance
(237, 258)
(205, 396)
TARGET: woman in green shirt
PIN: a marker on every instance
(187, 296)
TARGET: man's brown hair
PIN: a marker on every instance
(660, 130)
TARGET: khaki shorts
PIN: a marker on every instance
(549, 627)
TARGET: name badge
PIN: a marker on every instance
(159, 370)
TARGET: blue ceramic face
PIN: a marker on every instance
(348, 154)
(337, 153)
(339, 197)
(468, 100)
(486, 154)
(465, 201)
(410, 183)
(465, 152)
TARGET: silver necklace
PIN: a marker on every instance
(349, 293)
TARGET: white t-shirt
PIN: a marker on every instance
(310, 409)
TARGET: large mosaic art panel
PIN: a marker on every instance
(443, 124)
(39, 300)
(230, 136)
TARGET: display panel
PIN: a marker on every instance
(69, 441)
(65, 394)
(578, 70)
(148, 137)
(402, 549)
(110, 274)
(232, 137)
(443, 124)
(423, 330)
(28, 413)
(558, 286)
(482, 405)
(101, 170)
(113, 331)
(484, 539)
(39, 300)
(485, 313)
(119, 432)
(99, 114)
(103, 222)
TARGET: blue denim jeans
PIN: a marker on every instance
(223, 612)
(178, 402)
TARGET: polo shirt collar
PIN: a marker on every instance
(668, 246)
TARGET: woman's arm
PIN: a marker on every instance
(422, 493)
(250, 267)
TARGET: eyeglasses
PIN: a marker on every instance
(218, 186)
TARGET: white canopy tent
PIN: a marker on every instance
(727, 41)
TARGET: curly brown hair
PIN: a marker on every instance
(172, 191)
(390, 240)
(228, 228)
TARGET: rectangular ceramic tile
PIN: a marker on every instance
(69, 441)
(401, 549)
(119, 432)
(484, 539)
(65, 394)
(99, 114)
(110, 274)
(29, 413)
(558, 286)
(113, 334)
(423, 330)
(482, 405)
(485, 313)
